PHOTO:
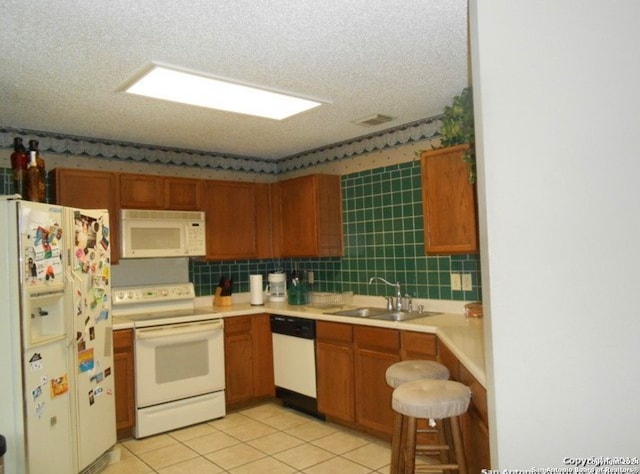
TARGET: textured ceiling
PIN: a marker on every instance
(64, 62)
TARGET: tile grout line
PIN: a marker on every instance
(368, 440)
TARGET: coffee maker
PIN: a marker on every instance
(277, 287)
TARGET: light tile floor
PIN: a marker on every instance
(263, 439)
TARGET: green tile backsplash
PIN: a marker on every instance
(383, 236)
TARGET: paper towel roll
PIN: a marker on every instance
(255, 290)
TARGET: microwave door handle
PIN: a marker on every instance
(168, 331)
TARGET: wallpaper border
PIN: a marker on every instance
(134, 152)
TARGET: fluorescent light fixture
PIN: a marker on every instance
(194, 89)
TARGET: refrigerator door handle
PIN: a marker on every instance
(176, 330)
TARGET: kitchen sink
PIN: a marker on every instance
(383, 314)
(361, 312)
(403, 315)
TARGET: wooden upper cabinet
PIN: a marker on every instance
(141, 191)
(182, 194)
(310, 216)
(231, 214)
(86, 189)
(264, 220)
(449, 203)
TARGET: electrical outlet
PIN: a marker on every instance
(467, 282)
(456, 284)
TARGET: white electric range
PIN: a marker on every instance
(178, 353)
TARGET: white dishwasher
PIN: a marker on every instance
(294, 362)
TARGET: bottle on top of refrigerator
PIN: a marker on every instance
(19, 162)
(36, 183)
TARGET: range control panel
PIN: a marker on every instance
(153, 293)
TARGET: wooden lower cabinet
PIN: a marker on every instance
(474, 423)
(124, 382)
(335, 370)
(351, 362)
(418, 345)
(248, 354)
(376, 349)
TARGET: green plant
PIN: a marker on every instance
(458, 128)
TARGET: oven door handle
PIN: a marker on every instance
(168, 331)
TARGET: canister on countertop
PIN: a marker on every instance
(298, 292)
(473, 310)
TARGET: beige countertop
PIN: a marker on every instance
(463, 336)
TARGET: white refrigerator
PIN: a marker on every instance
(57, 409)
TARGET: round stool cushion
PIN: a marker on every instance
(410, 370)
(435, 399)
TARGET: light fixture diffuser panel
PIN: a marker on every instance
(187, 88)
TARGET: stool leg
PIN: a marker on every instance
(403, 443)
(444, 437)
(410, 446)
(457, 444)
(396, 443)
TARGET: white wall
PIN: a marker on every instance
(558, 112)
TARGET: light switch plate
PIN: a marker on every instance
(467, 282)
(456, 284)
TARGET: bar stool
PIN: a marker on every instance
(396, 375)
(410, 370)
(442, 400)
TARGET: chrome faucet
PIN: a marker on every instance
(398, 302)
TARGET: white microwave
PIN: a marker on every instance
(150, 233)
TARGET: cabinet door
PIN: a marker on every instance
(299, 216)
(335, 382)
(475, 431)
(335, 370)
(124, 382)
(182, 194)
(450, 361)
(238, 360)
(231, 213)
(449, 203)
(264, 220)
(140, 191)
(85, 189)
(310, 216)
(263, 383)
(376, 350)
(475, 438)
(474, 423)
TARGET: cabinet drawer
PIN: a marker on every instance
(478, 392)
(417, 345)
(381, 339)
(240, 324)
(336, 332)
